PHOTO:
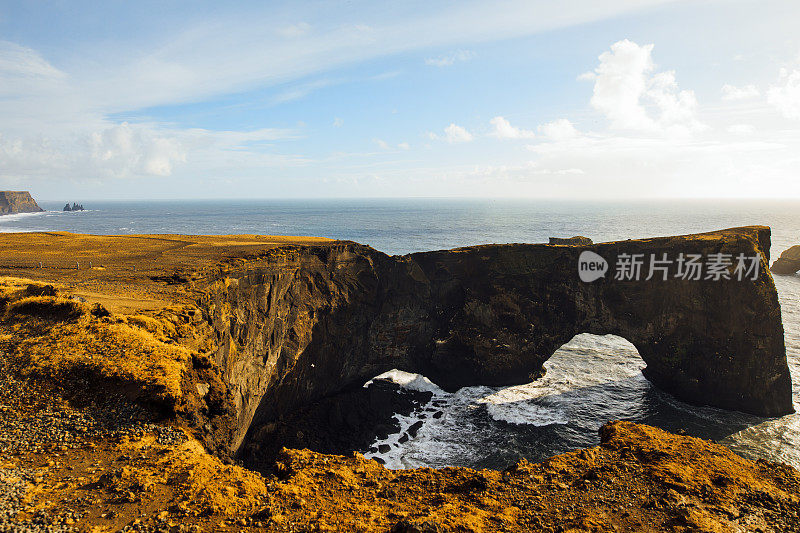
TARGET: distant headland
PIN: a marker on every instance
(13, 202)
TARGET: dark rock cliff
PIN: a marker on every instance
(12, 202)
(297, 323)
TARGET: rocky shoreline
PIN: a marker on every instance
(119, 411)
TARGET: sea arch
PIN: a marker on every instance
(306, 322)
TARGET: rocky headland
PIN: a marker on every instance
(13, 202)
(142, 373)
(788, 263)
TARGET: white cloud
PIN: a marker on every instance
(559, 130)
(457, 134)
(449, 60)
(338, 123)
(785, 95)
(388, 75)
(636, 166)
(522, 172)
(235, 140)
(295, 30)
(620, 82)
(123, 151)
(386, 146)
(301, 91)
(731, 92)
(504, 130)
(30, 157)
(135, 151)
(740, 129)
(632, 97)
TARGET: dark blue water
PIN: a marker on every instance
(589, 381)
(402, 226)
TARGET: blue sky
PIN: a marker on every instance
(573, 99)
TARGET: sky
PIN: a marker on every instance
(574, 99)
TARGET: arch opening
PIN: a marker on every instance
(590, 380)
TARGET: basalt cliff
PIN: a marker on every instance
(227, 336)
(294, 325)
(12, 202)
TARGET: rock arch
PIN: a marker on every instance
(305, 322)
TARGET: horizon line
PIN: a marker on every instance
(447, 198)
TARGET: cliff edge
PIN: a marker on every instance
(12, 202)
(124, 360)
(288, 321)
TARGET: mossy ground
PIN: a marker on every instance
(58, 337)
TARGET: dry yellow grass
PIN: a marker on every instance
(55, 337)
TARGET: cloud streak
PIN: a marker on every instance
(450, 60)
(733, 93)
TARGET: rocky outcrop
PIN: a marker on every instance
(297, 323)
(788, 263)
(577, 240)
(340, 423)
(640, 479)
(12, 202)
(75, 207)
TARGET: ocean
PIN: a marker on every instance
(589, 381)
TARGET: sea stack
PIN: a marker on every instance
(12, 202)
(788, 263)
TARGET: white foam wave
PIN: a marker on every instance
(408, 380)
(15, 217)
(451, 427)
(517, 405)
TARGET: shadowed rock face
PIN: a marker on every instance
(295, 324)
(788, 263)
